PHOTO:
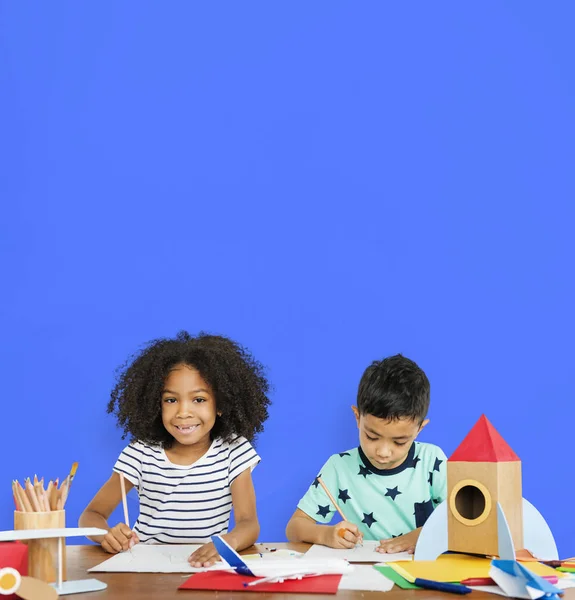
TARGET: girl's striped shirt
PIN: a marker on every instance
(184, 504)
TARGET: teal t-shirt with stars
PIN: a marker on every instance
(383, 503)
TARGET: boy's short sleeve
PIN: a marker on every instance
(439, 482)
(242, 456)
(316, 503)
(129, 463)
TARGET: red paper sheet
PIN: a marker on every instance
(223, 581)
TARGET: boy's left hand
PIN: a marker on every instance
(205, 556)
(403, 543)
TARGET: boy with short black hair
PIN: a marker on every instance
(389, 485)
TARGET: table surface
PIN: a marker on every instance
(148, 586)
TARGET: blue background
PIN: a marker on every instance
(327, 182)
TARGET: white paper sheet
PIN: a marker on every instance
(149, 558)
(366, 579)
(360, 554)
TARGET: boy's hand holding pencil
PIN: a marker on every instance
(344, 534)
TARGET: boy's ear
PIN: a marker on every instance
(423, 424)
(356, 413)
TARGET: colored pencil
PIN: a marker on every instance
(332, 499)
(32, 495)
(24, 500)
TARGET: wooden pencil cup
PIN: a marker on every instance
(43, 553)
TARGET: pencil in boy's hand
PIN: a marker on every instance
(332, 499)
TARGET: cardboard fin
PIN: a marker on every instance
(537, 537)
(506, 550)
(433, 537)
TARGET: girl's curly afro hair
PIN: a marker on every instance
(235, 377)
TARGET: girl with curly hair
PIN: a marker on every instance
(191, 406)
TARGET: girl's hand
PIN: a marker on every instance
(343, 535)
(205, 556)
(119, 539)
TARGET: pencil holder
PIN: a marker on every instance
(43, 553)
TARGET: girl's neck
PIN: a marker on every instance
(184, 454)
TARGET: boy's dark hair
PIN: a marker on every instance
(236, 378)
(394, 388)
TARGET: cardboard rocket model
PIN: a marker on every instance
(485, 512)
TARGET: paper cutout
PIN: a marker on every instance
(226, 581)
(457, 567)
(231, 557)
(517, 581)
(537, 536)
(504, 540)
(397, 579)
(360, 554)
(432, 539)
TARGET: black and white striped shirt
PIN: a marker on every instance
(184, 504)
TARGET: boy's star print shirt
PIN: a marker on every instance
(383, 503)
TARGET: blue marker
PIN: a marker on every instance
(440, 586)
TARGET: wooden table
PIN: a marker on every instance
(161, 586)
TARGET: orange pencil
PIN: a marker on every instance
(342, 530)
